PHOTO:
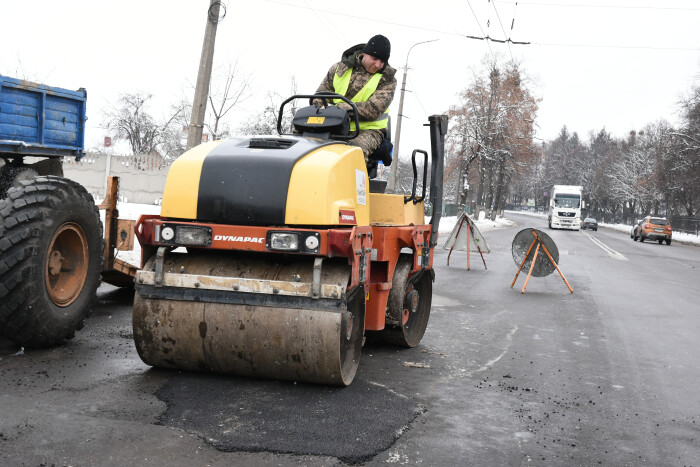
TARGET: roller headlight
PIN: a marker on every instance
(185, 234)
(284, 241)
(193, 235)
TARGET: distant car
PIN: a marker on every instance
(633, 232)
(589, 223)
(653, 228)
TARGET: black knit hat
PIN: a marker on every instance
(378, 47)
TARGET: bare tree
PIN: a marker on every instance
(132, 122)
(265, 122)
(175, 137)
(227, 90)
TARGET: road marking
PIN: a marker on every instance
(612, 253)
(462, 372)
(509, 338)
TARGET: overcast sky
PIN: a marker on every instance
(618, 64)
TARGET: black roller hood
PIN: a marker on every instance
(244, 181)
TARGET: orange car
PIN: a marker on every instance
(653, 228)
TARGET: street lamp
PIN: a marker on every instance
(395, 165)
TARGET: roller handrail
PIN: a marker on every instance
(323, 96)
(413, 196)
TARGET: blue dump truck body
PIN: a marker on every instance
(40, 120)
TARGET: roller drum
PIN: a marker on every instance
(272, 341)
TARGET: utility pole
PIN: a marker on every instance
(391, 186)
(201, 92)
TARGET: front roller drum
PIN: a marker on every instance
(277, 342)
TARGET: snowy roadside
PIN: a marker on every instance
(680, 237)
(484, 225)
(133, 211)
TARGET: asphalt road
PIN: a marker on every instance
(607, 375)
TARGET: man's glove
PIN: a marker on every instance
(383, 153)
(386, 160)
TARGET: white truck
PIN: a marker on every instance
(565, 206)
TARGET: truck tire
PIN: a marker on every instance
(51, 249)
(12, 176)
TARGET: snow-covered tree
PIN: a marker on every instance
(492, 129)
(603, 149)
(683, 164)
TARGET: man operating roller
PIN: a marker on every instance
(364, 76)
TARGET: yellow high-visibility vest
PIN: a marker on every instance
(340, 86)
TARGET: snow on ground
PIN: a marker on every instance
(484, 225)
(133, 211)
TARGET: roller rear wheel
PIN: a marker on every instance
(408, 306)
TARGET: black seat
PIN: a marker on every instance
(377, 186)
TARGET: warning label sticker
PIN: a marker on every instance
(361, 183)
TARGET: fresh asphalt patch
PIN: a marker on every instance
(353, 424)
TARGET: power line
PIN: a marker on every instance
(581, 5)
(502, 28)
(409, 26)
(500, 41)
(325, 22)
(415, 94)
(486, 37)
(403, 25)
(613, 46)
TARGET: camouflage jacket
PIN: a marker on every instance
(377, 104)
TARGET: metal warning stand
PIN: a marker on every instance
(465, 222)
(539, 240)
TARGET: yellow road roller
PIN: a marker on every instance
(274, 256)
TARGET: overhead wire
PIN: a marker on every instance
(403, 25)
(582, 5)
(485, 36)
(512, 22)
(415, 94)
(614, 46)
(324, 21)
(492, 2)
(363, 18)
